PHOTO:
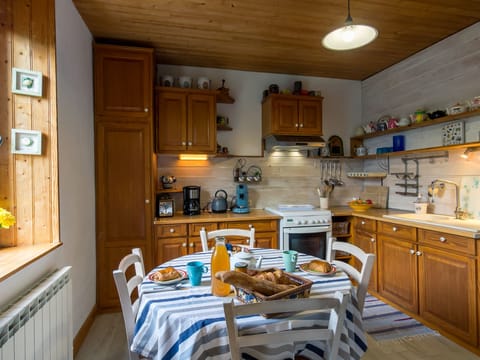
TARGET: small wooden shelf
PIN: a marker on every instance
(223, 128)
(419, 125)
(356, 141)
(172, 190)
(423, 150)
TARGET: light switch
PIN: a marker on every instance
(26, 142)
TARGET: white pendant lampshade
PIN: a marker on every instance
(349, 36)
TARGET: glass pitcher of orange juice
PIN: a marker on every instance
(220, 262)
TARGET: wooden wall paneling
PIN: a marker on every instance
(33, 179)
(6, 178)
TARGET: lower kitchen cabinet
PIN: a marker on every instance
(178, 239)
(447, 285)
(432, 274)
(266, 231)
(365, 237)
(170, 242)
(398, 272)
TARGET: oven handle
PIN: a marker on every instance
(307, 230)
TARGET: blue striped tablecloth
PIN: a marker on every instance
(188, 323)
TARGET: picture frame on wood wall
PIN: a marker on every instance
(27, 82)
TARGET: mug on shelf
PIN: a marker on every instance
(203, 83)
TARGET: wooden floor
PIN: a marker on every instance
(106, 341)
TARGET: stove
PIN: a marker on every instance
(303, 228)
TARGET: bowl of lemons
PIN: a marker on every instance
(360, 205)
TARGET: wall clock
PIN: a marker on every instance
(335, 145)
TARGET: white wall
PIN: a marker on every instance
(435, 78)
(76, 169)
(281, 175)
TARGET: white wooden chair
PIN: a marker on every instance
(125, 289)
(362, 277)
(336, 304)
(249, 235)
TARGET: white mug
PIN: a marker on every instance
(361, 151)
(167, 81)
(185, 81)
(203, 83)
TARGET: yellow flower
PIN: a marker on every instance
(6, 219)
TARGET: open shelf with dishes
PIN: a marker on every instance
(357, 141)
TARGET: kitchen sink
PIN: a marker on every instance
(439, 220)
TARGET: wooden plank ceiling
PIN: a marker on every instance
(278, 36)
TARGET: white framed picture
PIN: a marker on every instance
(27, 82)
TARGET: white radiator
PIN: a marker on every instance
(38, 324)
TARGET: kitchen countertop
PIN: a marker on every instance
(378, 214)
(260, 214)
(254, 214)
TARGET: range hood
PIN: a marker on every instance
(293, 143)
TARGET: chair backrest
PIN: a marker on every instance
(247, 234)
(125, 289)
(337, 304)
(362, 277)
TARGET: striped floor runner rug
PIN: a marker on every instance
(384, 322)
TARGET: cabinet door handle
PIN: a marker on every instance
(372, 239)
(394, 228)
(184, 245)
(192, 245)
(250, 226)
(418, 253)
(146, 109)
(147, 201)
(296, 125)
(363, 222)
(189, 143)
(443, 239)
(184, 143)
(412, 251)
(172, 230)
(301, 125)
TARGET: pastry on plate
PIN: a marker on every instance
(167, 274)
(320, 266)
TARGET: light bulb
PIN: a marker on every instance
(348, 33)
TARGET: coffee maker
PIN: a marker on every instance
(241, 203)
(191, 200)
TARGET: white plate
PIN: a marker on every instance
(183, 276)
(304, 268)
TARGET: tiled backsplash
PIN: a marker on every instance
(290, 179)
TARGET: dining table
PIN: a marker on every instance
(187, 322)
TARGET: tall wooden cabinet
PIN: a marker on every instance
(123, 160)
(186, 121)
(292, 115)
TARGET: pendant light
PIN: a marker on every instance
(349, 36)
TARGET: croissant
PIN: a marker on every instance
(320, 266)
(166, 274)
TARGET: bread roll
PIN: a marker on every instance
(320, 266)
(169, 273)
(250, 283)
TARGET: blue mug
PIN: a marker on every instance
(195, 270)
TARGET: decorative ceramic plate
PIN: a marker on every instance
(304, 268)
(183, 276)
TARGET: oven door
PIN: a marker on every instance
(308, 240)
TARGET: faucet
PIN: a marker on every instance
(459, 213)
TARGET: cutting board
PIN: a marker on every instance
(378, 195)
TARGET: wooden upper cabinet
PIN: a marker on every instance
(123, 81)
(186, 121)
(292, 115)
